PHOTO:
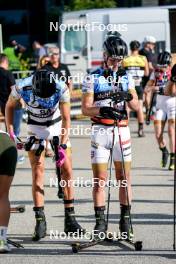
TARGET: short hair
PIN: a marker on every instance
(134, 45)
(3, 57)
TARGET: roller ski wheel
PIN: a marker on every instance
(138, 245)
(18, 209)
(109, 237)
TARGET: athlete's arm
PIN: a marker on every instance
(170, 89)
(146, 68)
(134, 103)
(87, 105)
(9, 112)
(150, 86)
(65, 114)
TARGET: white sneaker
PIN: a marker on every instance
(4, 246)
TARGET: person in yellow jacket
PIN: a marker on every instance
(137, 66)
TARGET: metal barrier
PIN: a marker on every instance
(21, 74)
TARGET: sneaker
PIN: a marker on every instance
(21, 159)
(4, 246)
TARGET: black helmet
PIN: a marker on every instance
(134, 45)
(115, 47)
(44, 84)
(164, 58)
(113, 34)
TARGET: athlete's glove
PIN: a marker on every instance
(173, 74)
(121, 96)
(19, 144)
(61, 155)
(109, 112)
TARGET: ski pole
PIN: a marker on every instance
(110, 176)
(174, 237)
(124, 175)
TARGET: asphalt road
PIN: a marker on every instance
(152, 209)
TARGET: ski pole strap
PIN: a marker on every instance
(28, 145)
(71, 201)
(55, 143)
(55, 146)
(40, 148)
(31, 141)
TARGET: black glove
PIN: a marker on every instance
(128, 97)
(109, 112)
(121, 96)
(173, 74)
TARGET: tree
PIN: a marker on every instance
(89, 4)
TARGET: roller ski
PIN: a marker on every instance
(17, 209)
(126, 232)
(99, 234)
(40, 228)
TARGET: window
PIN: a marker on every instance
(74, 40)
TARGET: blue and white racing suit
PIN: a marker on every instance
(44, 118)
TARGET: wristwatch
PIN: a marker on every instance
(64, 146)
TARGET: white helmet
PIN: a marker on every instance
(150, 39)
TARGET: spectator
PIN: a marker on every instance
(43, 61)
(39, 51)
(12, 52)
(59, 69)
(6, 82)
(149, 51)
(18, 48)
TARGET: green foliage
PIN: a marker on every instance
(89, 4)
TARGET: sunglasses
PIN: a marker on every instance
(54, 54)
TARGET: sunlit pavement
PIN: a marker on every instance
(152, 209)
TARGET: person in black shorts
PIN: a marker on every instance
(6, 82)
(137, 66)
(8, 159)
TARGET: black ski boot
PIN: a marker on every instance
(124, 224)
(40, 228)
(172, 161)
(140, 130)
(165, 156)
(100, 228)
(71, 224)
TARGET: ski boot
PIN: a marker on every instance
(40, 228)
(70, 224)
(165, 156)
(172, 161)
(140, 130)
(124, 224)
(100, 227)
